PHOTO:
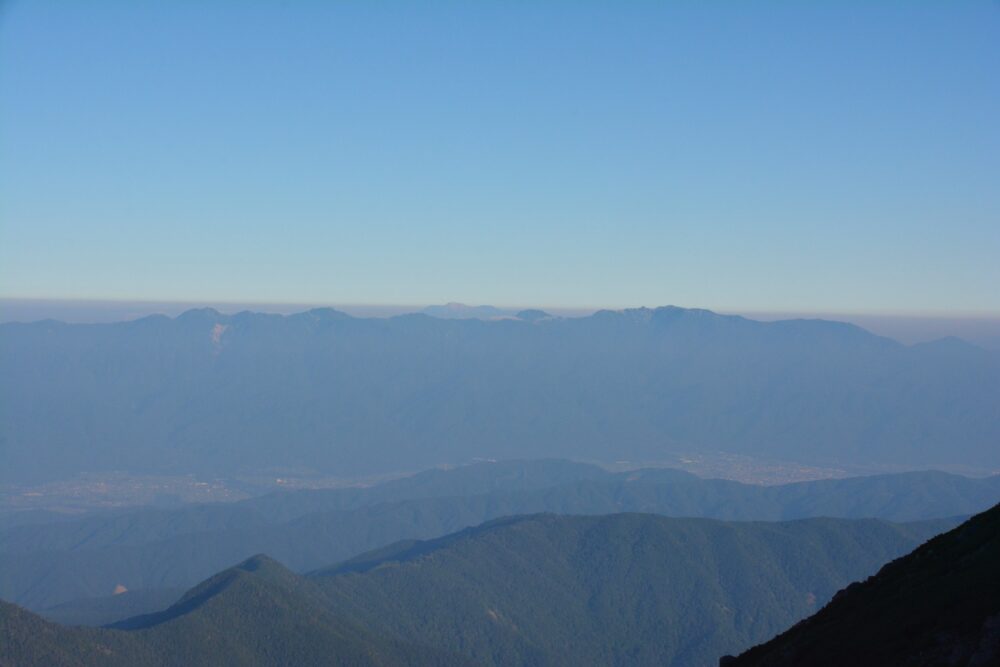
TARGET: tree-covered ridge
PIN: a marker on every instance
(257, 613)
(624, 589)
(260, 613)
(938, 606)
(535, 590)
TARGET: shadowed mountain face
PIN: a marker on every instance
(64, 564)
(628, 589)
(938, 606)
(211, 393)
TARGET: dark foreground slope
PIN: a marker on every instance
(626, 589)
(77, 564)
(940, 605)
(209, 393)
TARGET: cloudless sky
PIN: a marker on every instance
(732, 155)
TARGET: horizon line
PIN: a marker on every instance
(776, 311)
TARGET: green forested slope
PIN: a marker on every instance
(257, 613)
(938, 606)
(27, 640)
(630, 589)
(260, 613)
(623, 589)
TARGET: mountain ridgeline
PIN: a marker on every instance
(68, 569)
(936, 607)
(209, 393)
(623, 589)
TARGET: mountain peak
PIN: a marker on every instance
(324, 314)
(667, 315)
(950, 345)
(460, 311)
(532, 315)
(260, 568)
(261, 563)
(199, 313)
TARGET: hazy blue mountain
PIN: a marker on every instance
(938, 606)
(459, 311)
(532, 315)
(53, 564)
(212, 393)
(136, 526)
(539, 590)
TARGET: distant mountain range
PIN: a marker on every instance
(625, 589)
(68, 569)
(210, 394)
(936, 607)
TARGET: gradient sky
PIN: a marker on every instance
(730, 155)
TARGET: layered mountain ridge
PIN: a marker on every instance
(540, 589)
(66, 568)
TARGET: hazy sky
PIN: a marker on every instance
(731, 155)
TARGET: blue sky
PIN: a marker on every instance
(775, 156)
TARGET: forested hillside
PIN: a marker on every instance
(626, 589)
